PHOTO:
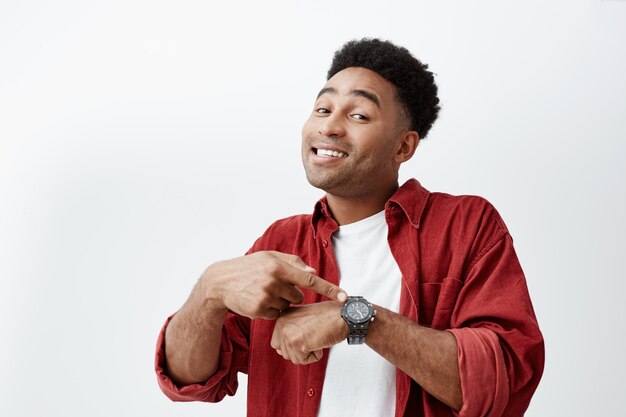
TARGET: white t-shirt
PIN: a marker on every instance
(360, 382)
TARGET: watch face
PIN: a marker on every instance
(358, 311)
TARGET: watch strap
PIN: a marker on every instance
(357, 333)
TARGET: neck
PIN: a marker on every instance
(348, 210)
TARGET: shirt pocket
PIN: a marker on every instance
(437, 301)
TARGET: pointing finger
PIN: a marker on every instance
(309, 281)
(293, 260)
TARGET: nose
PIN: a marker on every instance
(332, 125)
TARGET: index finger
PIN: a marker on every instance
(309, 281)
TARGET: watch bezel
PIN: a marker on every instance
(370, 307)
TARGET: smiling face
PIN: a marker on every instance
(351, 141)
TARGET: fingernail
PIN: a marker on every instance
(342, 296)
(309, 269)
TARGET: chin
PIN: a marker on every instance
(316, 182)
(338, 190)
(325, 184)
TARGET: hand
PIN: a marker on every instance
(263, 284)
(302, 332)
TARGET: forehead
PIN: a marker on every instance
(357, 78)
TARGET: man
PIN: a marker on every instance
(445, 326)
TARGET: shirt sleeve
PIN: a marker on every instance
(234, 349)
(234, 355)
(500, 346)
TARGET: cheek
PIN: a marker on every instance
(376, 149)
(372, 143)
(308, 130)
(308, 127)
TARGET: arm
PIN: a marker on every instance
(428, 356)
(501, 350)
(487, 363)
(193, 336)
(253, 286)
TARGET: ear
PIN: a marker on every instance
(407, 146)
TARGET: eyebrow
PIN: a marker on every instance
(356, 93)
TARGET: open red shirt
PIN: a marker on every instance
(460, 273)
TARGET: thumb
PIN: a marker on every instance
(294, 260)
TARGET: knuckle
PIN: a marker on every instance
(272, 267)
(298, 261)
(267, 287)
(258, 315)
(262, 256)
(310, 280)
(260, 304)
(262, 301)
(329, 291)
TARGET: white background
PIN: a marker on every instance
(141, 141)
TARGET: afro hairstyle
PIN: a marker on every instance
(415, 85)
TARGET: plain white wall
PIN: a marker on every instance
(142, 140)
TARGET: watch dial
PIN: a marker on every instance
(358, 311)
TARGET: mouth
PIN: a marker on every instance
(329, 153)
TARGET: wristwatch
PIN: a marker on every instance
(358, 313)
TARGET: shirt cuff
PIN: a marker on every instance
(483, 373)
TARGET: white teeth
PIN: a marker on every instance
(328, 152)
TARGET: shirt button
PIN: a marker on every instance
(310, 392)
(325, 243)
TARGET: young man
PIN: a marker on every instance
(439, 321)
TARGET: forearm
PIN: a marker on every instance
(193, 337)
(428, 356)
(259, 285)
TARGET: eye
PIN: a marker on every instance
(322, 110)
(359, 117)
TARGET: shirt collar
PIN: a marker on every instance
(411, 198)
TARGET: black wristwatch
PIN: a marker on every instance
(358, 313)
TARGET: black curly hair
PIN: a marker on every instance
(415, 85)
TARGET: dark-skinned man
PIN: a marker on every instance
(386, 300)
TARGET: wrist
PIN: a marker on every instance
(358, 313)
(342, 324)
(211, 291)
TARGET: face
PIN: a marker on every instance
(350, 140)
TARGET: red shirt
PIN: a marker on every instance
(460, 273)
